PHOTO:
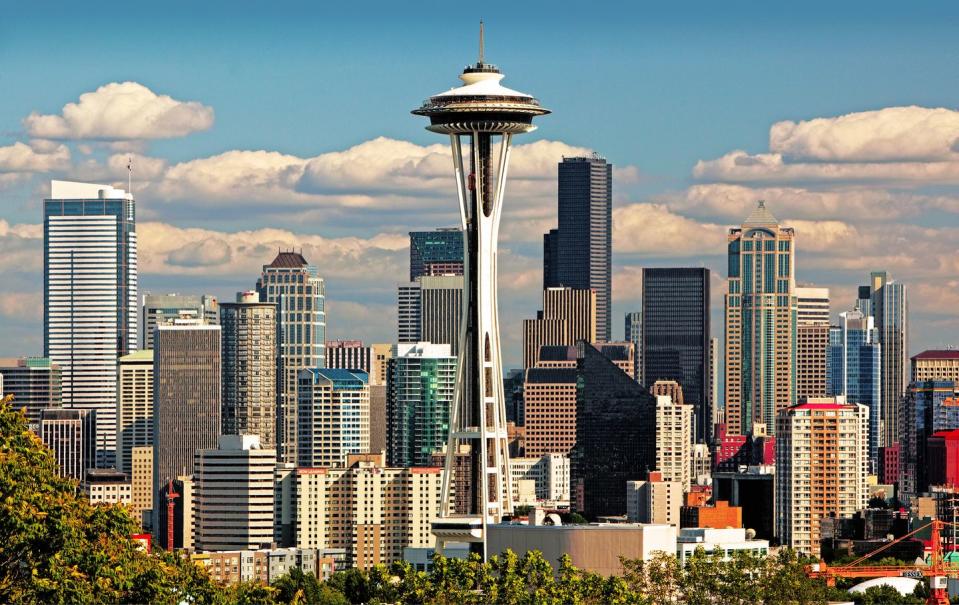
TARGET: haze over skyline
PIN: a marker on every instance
(289, 126)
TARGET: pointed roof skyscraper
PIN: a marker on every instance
(760, 217)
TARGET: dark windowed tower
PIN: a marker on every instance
(438, 252)
(676, 335)
(583, 244)
(550, 259)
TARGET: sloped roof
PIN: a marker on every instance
(761, 217)
(289, 259)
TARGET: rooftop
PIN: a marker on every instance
(551, 376)
(761, 217)
(289, 260)
(937, 354)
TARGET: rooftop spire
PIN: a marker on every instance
(480, 62)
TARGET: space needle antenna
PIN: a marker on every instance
(481, 43)
(130, 175)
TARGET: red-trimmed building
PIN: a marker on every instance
(942, 455)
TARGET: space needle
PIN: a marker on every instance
(480, 117)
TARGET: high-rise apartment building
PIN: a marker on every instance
(408, 320)
(674, 432)
(568, 317)
(300, 296)
(348, 355)
(71, 436)
(929, 365)
(438, 252)
(134, 406)
(367, 509)
(812, 342)
(822, 461)
(676, 336)
(615, 435)
(549, 398)
(422, 378)
(186, 402)
(249, 350)
(334, 416)
(233, 495)
(90, 296)
(141, 481)
(583, 242)
(549, 474)
(890, 306)
(855, 361)
(761, 311)
(654, 500)
(34, 383)
(159, 309)
(634, 334)
(375, 361)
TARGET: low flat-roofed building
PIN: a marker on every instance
(596, 548)
(720, 541)
(106, 486)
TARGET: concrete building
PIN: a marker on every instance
(299, 293)
(334, 416)
(34, 383)
(186, 402)
(106, 486)
(701, 464)
(348, 355)
(676, 332)
(931, 365)
(674, 440)
(141, 482)
(812, 342)
(719, 515)
(889, 304)
(761, 308)
(134, 406)
(90, 297)
(549, 399)
(431, 310)
(408, 318)
(422, 378)
(596, 548)
(249, 368)
(369, 510)
(234, 498)
(754, 491)
(549, 474)
(654, 500)
(720, 541)
(581, 248)
(821, 467)
(568, 317)
(167, 309)
(71, 435)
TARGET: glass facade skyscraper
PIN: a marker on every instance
(761, 317)
(90, 297)
(436, 252)
(855, 369)
(634, 334)
(579, 253)
(676, 336)
(890, 306)
(927, 408)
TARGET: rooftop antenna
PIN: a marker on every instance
(130, 175)
(481, 44)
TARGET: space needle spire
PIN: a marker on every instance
(480, 117)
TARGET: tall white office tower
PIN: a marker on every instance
(90, 297)
(484, 115)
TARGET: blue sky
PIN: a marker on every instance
(656, 88)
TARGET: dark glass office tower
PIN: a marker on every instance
(676, 336)
(615, 434)
(438, 252)
(580, 254)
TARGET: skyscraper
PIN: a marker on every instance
(674, 432)
(812, 342)
(333, 416)
(431, 310)
(34, 383)
(760, 322)
(249, 368)
(583, 242)
(568, 317)
(134, 407)
(927, 408)
(890, 307)
(550, 258)
(186, 401)
(422, 378)
(90, 296)
(71, 436)
(300, 297)
(437, 252)
(854, 369)
(821, 467)
(676, 336)
(167, 308)
(634, 334)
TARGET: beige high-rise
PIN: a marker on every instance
(141, 481)
(674, 440)
(812, 342)
(371, 511)
(936, 365)
(760, 322)
(249, 368)
(134, 406)
(568, 316)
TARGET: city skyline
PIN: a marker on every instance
(348, 198)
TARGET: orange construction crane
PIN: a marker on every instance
(937, 570)
(171, 495)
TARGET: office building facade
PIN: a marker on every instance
(334, 416)
(568, 317)
(71, 436)
(90, 296)
(134, 406)
(855, 362)
(890, 306)
(422, 378)
(160, 309)
(928, 407)
(812, 342)
(34, 383)
(299, 293)
(676, 336)
(761, 312)
(249, 381)
(583, 242)
(933, 365)
(634, 334)
(436, 252)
